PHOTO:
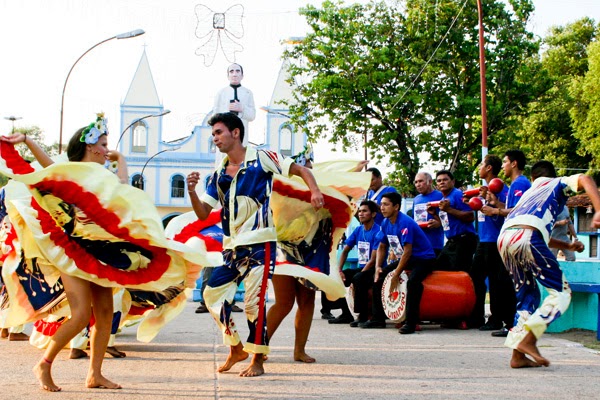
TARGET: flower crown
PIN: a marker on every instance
(305, 155)
(93, 131)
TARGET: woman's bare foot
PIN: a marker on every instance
(520, 360)
(236, 354)
(18, 337)
(77, 353)
(42, 372)
(113, 351)
(255, 368)
(100, 382)
(303, 357)
(528, 346)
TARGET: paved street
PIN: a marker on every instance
(352, 363)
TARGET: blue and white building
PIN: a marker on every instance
(159, 167)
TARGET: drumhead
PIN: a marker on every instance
(350, 297)
(394, 299)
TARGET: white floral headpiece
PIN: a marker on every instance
(93, 131)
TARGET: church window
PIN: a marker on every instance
(285, 141)
(137, 181)
(140, 136)
(177, 186)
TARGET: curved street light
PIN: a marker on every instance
(126, 35)
(12, 118)
(139, 183)
(165, 112)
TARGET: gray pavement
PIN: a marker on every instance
(352, 363)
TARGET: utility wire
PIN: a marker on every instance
(430, 58)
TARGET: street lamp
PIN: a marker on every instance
(125, 35)
(13, 119)
(139, 183)
(165, 112)
(484, 138)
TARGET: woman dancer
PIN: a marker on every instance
(88, 144)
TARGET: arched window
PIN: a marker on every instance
(285, 140)
(140, 136)
(137, 181)
(177, 186)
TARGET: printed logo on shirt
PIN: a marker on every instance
(364, 251)
(445, 221)
(518, 193)
(404, 231)
(396, 249)
(420, 213)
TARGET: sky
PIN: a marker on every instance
(40, 41)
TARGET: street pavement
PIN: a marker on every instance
(352, 363)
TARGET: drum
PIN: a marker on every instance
(394, 298)
(350, 297)
(447, 295)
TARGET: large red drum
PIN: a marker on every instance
(447, 295)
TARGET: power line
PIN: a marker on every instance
(430, 58)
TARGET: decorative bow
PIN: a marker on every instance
(210, 26)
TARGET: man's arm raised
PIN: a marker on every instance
(201, 209)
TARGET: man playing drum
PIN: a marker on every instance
(402, 246)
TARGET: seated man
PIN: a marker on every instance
(365, 237)
(403, 242)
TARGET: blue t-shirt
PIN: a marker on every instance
(405, 230)
(420, 214)
(376, 197)
(516, 190)
(489, 227)
(366, 241)
(451, 224)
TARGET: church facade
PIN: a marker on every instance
(159, 167)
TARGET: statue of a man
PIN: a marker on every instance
(236, 99)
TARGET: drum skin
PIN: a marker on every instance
(447, 295)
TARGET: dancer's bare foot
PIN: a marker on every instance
(100, 382)
(77, 353)
(236, 354)
(18, 337)
(43, 374)
(520, 360)
(303, 357)
(113, 351)
(4, 333)
(255, 368)
(528, 346)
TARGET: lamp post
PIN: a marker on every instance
(140, 181)
(12, 118)
(125, 35)
(484, 138)
(165, 112)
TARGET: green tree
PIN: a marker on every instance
(364, 71)
(36, 134)
(586, 108)
(547, 131)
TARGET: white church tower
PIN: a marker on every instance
(281, 135)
